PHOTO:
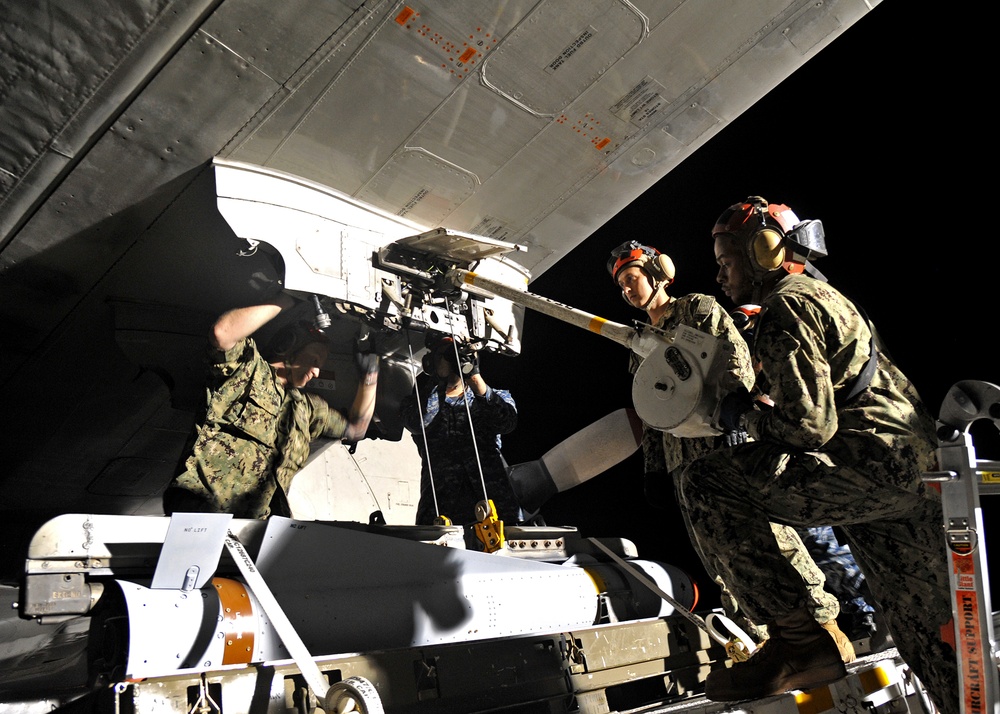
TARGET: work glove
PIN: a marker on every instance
(734, 405)
(367, 363)
(470, 364)
(365, 360)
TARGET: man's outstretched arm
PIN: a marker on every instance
(241, 322)
(363, 407)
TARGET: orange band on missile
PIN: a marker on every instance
(596, 324)
(237, 621)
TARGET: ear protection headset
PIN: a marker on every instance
(774, 236)
(762, 227)
(661, 268)
(658, 266)
(443, 347)
(435, 347)
(767, 249)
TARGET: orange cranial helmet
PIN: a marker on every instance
(658, 266)
(772, 235)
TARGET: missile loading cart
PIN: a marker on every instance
(205, 613)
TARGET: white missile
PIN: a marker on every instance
(344, 589)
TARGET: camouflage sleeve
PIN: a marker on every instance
(652, 440)
(740, 370)
(241, 390)
(660, 452)
(223, 364)
(325, 420)
(791, 353)
(408, 413)
(652, 450)
(709, 317)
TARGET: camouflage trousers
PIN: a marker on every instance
(894, 530)
(824, 605)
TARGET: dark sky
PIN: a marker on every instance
(876, 137)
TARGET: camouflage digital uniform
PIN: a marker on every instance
(669, 454)
(254, 436)
(814, 461)
(450, 455)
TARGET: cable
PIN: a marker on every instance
(423, 428)
(465, 399)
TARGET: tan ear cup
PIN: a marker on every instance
(662, 268)
(767, 249)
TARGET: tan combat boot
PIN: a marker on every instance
(799, 654)
(843, 642)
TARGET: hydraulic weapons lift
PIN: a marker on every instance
(962, 477)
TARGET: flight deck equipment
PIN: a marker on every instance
(960, 479)
(677, 389)
(488, 526)
(683, 375)
(738, 644)
(555, 623)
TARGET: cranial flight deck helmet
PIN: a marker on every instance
(292, 338)
(773, 237)
(657, 266)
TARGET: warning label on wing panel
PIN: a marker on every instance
(641, 102)
(415, 199)
(491, 227)
(571, 49)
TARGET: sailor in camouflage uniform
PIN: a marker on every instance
(844, 579)
(256, 431)
(643, 274)
(845, 444)
(450, 481)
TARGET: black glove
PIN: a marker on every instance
(470, 364)
(734, 405)
(365, 360)
(734, 437)
(367, 363)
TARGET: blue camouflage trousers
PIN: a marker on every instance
(843, 578)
